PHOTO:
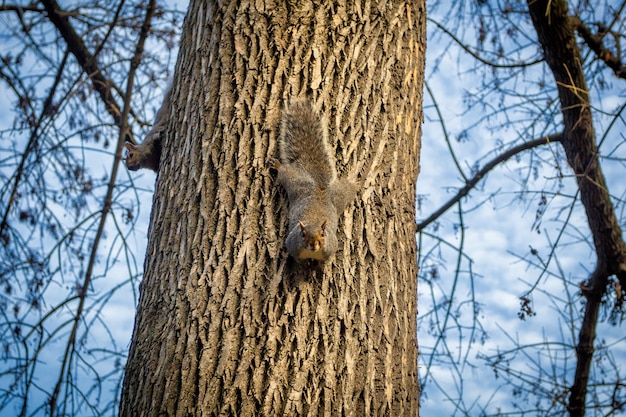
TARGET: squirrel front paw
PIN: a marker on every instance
(274, 164)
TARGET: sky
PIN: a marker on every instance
(498, 237)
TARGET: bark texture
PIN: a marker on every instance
(227, 324)
(556, 35)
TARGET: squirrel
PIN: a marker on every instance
(147, 154)
(307, 172)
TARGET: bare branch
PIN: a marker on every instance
(471, 183)
(556, 35)
(32, 142)
(85, 59)
(107, 204)
(596, 44)
(20, 9)
(477, 56)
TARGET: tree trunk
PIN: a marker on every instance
(556, 35)
(227, 324)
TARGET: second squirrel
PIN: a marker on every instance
(148, 153)
(307, 172)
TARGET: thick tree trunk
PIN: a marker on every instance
(556, 35)
(227, 324)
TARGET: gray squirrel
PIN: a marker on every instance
(307, 172)
(147, 154)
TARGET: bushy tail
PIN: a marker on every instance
(303, 143)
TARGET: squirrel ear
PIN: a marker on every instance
(302, 225)
(130, 146)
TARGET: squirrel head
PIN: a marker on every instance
(312, 235)
(132, 157)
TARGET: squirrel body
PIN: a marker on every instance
(307, 172)
(147, 154)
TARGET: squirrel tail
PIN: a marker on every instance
(303, 143)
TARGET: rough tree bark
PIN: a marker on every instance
(226, 324)
(556, 35)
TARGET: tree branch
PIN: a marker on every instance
(108, 200)
(476, 56)
(33, 142)
(472, 182)
(555, 31)
(20, 9)
(596, 45)
(85, 59)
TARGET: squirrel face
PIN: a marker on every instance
(132, 157)
(312, 239)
